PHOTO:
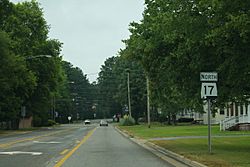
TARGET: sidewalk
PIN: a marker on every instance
(195, 137)
(169, 156)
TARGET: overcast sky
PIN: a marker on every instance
(91, 30)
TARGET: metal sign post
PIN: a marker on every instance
(208, 91)
(209, 126)
(69, 118)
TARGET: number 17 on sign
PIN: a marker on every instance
(208, 90)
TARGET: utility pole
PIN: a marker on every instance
(54, 107)
(148, 102)
(129, 103)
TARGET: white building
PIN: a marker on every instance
(228, 117)
(235, 114)
(188, 113)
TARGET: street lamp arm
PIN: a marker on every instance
(38, 56)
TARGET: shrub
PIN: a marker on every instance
(51, 122)
(127, 121)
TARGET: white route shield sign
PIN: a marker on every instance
(208, 90)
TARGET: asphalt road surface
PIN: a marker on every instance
(40, 148)
(74, 146)
(108, 148)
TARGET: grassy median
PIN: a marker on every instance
(226, 151)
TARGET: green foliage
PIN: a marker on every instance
(176, 40)
(32, 81)
(27, 28)
(77, 99)
(51, 122)
(113, 87)
(37, 121)
(127, 121)
(107, 89)
(17, 82)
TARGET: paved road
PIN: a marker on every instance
(74, 146)
(40, 148)
(108, 148)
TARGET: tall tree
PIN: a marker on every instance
(17, 83)
(112, 82)
(79, 93)
(25, 25)
(176, 40)
(107, 85)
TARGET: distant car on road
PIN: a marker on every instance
(103, 123)
(87, 122)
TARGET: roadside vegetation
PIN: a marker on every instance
(171, 45)
(34, 75)
(158, 130)
(231, 149)
(127, 121)
(226, 152)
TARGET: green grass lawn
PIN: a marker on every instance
(158, 130)
(226, 152)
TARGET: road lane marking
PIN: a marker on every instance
(5, 145)
(20, 152)
(61, 162)
(63, 152)
(46, 142)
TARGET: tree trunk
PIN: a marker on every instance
(174, 119)
(169, 119)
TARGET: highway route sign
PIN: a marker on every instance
(208, 89)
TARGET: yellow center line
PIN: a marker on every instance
(5, 145)
(61, 162)
(63, 152)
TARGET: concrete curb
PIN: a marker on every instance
(169, 156)
(176, 156)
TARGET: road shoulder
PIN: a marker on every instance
(169, 156)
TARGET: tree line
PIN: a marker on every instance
(176, 40)
(32, 72)
(171, 45)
